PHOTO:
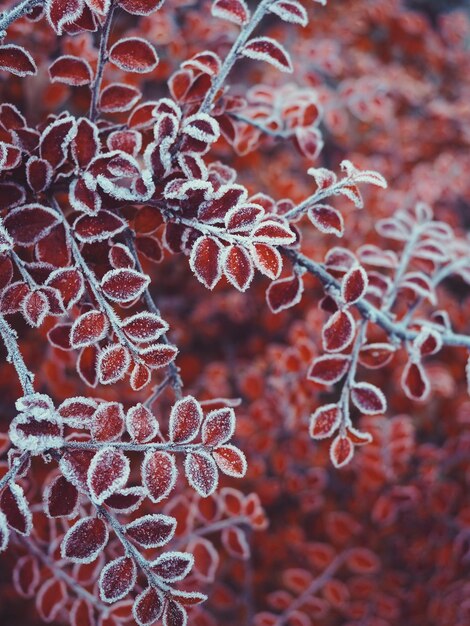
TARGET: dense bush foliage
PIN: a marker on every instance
(234, 307)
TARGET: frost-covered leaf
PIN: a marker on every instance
(269, 50)
(218, 427)
(15, 508)
(284, 293)
(35, 307)
(159, 474)
(85, 540)
(126, 284)
(107, 422)
(140, 7)
(267, 260)
(55, 140)
(77, 411)
(134, 54)
(238, 267)
(17, 60)
(117, 579)
(141, 424)
(152, 531)
(354, 285)
(108, 472)
(118, 97)
(338, 332)
(174, 614)
(376, 355)
(50, 599)
(201, 127)
(148, 607)
(71, 70)
(30, 223)
(414, 381)
(327, 219)
(158, 355)
(144, 327)
(230, 460)
(273, 232)
(99, 227)
(89, 329)
(235, 11)
(341, 451)
(36, 431)
(290, 11)
(205, 261)
(173, 566)
(325, 421)
(62, 12)
(113, 363)
(235, 542)
(185, 420)
(368, 398)
(4, 532)
(328, 369)
(61, 498)
(201, 472)
(69, 282)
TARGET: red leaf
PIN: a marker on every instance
(158, 355)
(325, 421)
(354, 285)
(61, 498)
(159, 474)
(85, 540)
(35, 307)
(107, 423)
(88, 329)
(15, 507)
(230, 460)
(152, 531)
(133, 54)
(141, 424)
(108, 472)
(69, 283)
(113, 363)
(290, 11)
(99, 227)
(267, 260)
(119, 97)
(56, 139)
(327, 219)
(234, 11)
(140, 377)
(122, 285)
(218, 427)
(238, 267)
(61, 12)
(269, 50)
(185, 420)
(414, 381)
(38, 174)
(86, 143)
(126, 500)
(26, 575)
(71, 71)
(273, 233)
(368, 398)
(16, 60)
(117, 579)
(341, 451)
(205, 261)
(77, 412)
(284, 293)
(174, 615)
(338, 332)
(328, 369)
(140, 7)
(201, 472)
(144, 327)
(173, 566)
(148, 607)
(30, 223)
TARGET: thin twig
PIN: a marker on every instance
(102, 60)
(9, 16)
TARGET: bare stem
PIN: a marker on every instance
(15, 357)
(11, 15)
(134, 447)
(102, 60)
